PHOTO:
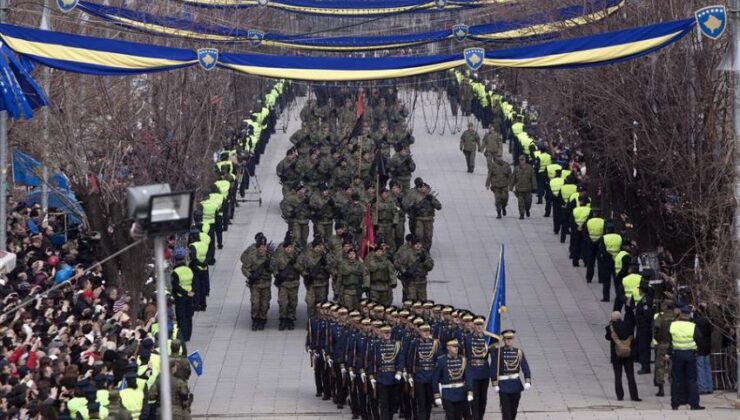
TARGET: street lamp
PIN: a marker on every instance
(157, 211)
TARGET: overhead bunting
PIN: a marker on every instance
(540, 24)
(349, 8)
(89, 55)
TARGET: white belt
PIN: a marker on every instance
(448, 386)
(505, 377)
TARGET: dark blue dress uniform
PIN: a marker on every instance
(389, 364)
(506, 364)
(422, 362)
(350, 356)
(337, 350)
(452, 380)
(314, 345)
(359, 385)
(477, 353)
(370, 368)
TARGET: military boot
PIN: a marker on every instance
(660, 392)
(504, 211)
(527, 212)
(255, 324)
(521, 216)
(498, 213)
(291, 324)
(281, 326)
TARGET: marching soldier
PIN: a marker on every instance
(424, 207)
(452, 383)
(286, 170)
(256, 268)
(383, 215)
(469, 144)
(287, 280)
(388, 360)
(401, 167)
(423, 354)
(399, 218)
(662, 338)
(476, 352)
(525, 183)
(296, 210)
(314, 267)
(498, 180)
(351, 276)
(491, 146)
(381, 276)
(506, 364)
(322, 208)
(414, 267)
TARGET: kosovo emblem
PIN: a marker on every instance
(440, 3)
(712, 21)
(460, 31)
(263, 2)
(67, 5)
(255, 37)
(474, 57)
(207, 58)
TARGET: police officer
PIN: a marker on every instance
(684, 339)
(580, 215)
(498, 180)
(610, 245)
(506, 364)
(182, 291)
(452, 382)
(525, 183)
(477, 353)
(256, 268)
(594, 230)
(199, 266)
(469, 144)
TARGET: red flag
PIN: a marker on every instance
(360, 104)
(368, 233)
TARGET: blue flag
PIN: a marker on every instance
(196, 362)
(28, 171)
(498, 304)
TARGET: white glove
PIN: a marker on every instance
(411, 381)
(363, 376)
(344, 371)
(405, 376)
(351, 375)
(372, 382)
(329, 361)
(398, 376)
(438, 402)
(496, 388)
(470, 398)
(527, 385)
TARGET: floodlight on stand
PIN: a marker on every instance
(158, 211)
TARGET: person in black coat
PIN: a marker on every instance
(703, 349)
(624, 329)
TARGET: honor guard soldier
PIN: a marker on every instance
(389, 364)
(477, 353)
(423, 356)
(452, 383)
(335, 356)
(315, 348)
(506, 364)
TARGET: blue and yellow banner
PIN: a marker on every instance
(90, 55)
(349, 8)
(541, 24)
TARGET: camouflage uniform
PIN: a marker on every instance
(401, 167)
(296, 211)
(287, 280)
(351, 275)
(524, 181)
(466, 97)
(381, 278)
(287, 174)
(424, 209)
(322, 208)
(256, 268)
(384, 216)
(662, 337)
(469, 144)
(491, 147)
(314, 268)
(498, 181)
(413, 267)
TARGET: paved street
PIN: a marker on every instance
(559, 318)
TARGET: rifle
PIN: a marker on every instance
(257, 272)
(318, 270)
(282, 276)
(407, 275)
